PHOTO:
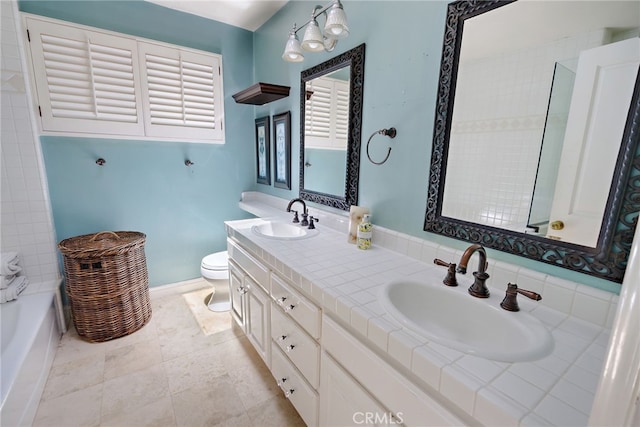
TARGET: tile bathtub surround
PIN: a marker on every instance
(346, 283)
(26, 225)
(168, 373)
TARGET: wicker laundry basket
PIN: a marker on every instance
(107, 283)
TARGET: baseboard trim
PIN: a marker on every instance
(157, 292)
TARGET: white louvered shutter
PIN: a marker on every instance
(86, 81)
(327, 113)
(182, 93)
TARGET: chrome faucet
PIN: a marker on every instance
(478, 288)
(305, 213)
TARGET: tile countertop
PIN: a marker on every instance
(346, 282)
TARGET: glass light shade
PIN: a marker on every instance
(336, 25)
(293, 51)
(312, 40)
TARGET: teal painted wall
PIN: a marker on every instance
(403, 47)
(404, 41)
(145, 186)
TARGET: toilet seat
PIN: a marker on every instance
(216, 262)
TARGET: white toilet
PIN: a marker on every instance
(215, 270)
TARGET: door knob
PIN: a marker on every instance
(557, 225)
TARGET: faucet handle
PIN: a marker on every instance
(304, 221)
(311, 222)
(295, 217)
(510, 301)
(450, 278)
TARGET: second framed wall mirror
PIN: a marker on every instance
(331, 97)
(535, 148)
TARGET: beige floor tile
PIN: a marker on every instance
(125, 394)
(78, 374)
(146, 333)
(155, 414)
(183, 342)
(197, 369)
(242, 420)
(276, 412)
(251, 377)
(210, 322)
(72, 347)
(168, 373)
(172, 315)
(131, 358)
(207, 406)
(81, 408)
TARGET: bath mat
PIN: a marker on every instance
(210, 322)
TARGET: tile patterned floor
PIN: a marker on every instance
(168, 373)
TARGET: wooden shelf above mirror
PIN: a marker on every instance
(261, 93)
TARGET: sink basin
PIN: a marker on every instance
(283, 231)
(453, 318)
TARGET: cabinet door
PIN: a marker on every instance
(343, 402)
(258, 319)
(238, 292)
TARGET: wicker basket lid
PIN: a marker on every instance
(101, 244)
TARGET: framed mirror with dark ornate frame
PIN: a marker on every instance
(344, 193)
(608, 259)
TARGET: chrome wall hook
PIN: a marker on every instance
(188, 163)
(391, 133)
(101, 161)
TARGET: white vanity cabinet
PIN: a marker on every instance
(250, 303)
(329, 375)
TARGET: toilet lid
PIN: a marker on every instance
(217, 261)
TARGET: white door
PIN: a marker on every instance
(600, 102)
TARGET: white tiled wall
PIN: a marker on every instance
(26, 224)
(497, 130)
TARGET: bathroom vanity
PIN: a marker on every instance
(311, 308)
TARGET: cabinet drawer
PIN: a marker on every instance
(295, 305)
(302, 396)
(299, 347)
(249, 264)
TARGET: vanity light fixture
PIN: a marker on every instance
(314, 40)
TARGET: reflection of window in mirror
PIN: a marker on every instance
(327, 113)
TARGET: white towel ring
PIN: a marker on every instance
(391, 133)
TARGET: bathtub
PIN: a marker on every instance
(29, 336)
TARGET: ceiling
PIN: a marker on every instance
(247, 14)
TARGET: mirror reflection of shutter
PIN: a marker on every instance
(318, 114)
(327, 114)
(182, 90)
(341, 113)
(86, 81)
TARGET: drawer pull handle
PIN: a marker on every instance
(242, 290)
(282, 338)
(281, 382)
(290, 347)
(288, 393)
(281, 300)
(289, 308)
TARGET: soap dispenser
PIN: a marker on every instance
(364, 232)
